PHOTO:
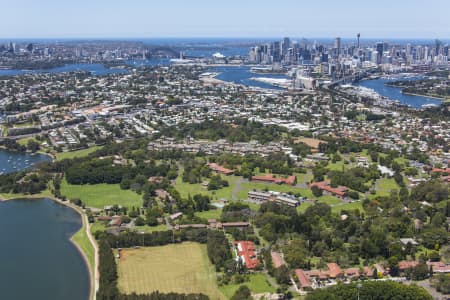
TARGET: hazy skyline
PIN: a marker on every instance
(230, 18)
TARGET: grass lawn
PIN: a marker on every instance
(303, 178)
(209, 214)
(78, 153)
(348, 206)
(257, 284)
(146, 228)
(337, 166)
(330, 200)
(302, 208)
(385, 185)
(82, 240)
(402, 161)
(180, 268)
(186, 188)
(98, 226)
(44, 194)
(100, 195)
(24, 141)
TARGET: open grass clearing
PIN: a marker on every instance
(180, 268)
(100, 195)
(77, 153)
(258, 283)
(185, 188)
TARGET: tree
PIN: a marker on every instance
(380, 290)
(442, 283)
(281, 274)
(242, 293)
(316, 191)
(393, 266)
(139, 221)
(33, 146)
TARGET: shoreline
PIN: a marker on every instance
(93, 273)
(51, 155)
(419, 95)
(414, 94)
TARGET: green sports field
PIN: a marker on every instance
(100, 195)
(78, 153)
(181, 268)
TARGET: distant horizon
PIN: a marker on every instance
(219, 38)
(27, 19)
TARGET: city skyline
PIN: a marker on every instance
(177, 19)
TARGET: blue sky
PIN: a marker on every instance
(226, 18)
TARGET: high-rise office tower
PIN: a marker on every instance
(358, 36)
(337, 45)
(276, 52)
(286, 45)
(380, 50)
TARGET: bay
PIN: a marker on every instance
(37, 259)
(395, 93)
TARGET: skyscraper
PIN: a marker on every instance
(358, 36)
(337, 45)
(380, 50)
(276, 52)
(286, 45)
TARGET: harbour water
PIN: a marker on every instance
(11, 161)
(37, 259)
(97, 69)
(395, 93)
(236, 74)
(242, 75)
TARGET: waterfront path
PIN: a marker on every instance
(94, 274)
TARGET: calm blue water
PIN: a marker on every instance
(97, 69)
(395, 93)
(235, 51)
(149, 62)
(11, 161)
(242, 75)
(37, 260)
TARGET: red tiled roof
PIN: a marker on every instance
(233, 224)
(439, 170)
(220, 169)
(368, 271)
(439, 267)
(334, 270)
(271, 178)
(246, 250)
(302, 278)
(407, 264)
(352, 272)
(325, 186)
